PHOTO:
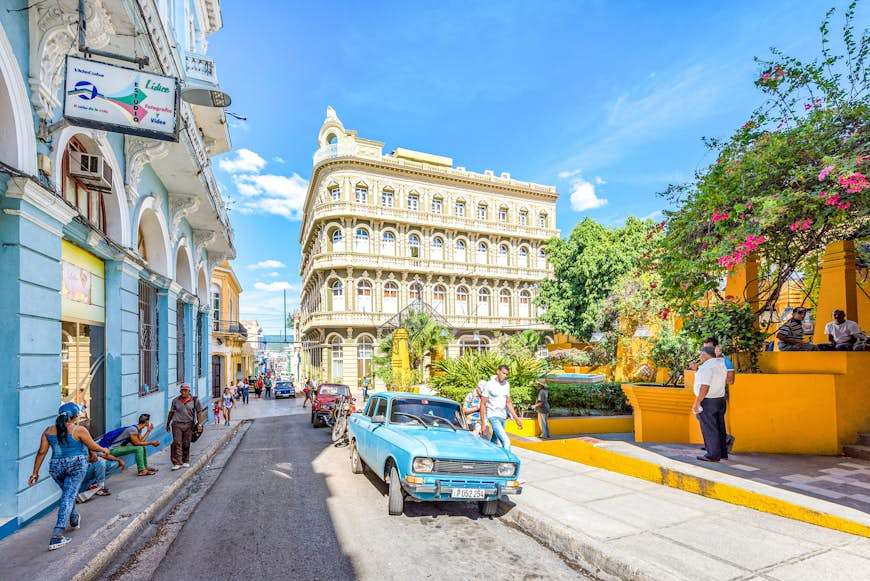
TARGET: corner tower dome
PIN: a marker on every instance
(332, 129)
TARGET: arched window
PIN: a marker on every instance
(361, 240)
(459, 255)
(365, 350)
(413, 202)
(337, 290)
(361, 195)
(337, 240)
(524, 218)
(335, 194)
(542, 258)
(503, 255)
(503, 214)
(388, 244)
(391, 297)
(461, 300)
(331, 139)
(364, 296)
(437, 248)
(481, 211)
(542, 220)
(414, 246)
(504, 303)
(459, 208)
(525, 299)
(415, 292)
(482, 253)
(388, 198)
(523, 257)
(439, 296)
(437, 205)
(84, 179)
(483, 303)
(336, 358)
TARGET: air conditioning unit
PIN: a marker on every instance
(91, 170)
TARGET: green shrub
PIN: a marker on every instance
(606, 398)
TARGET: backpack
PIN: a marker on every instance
(108, 439)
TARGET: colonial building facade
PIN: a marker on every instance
(383, 231)
(232, 357)
(104, 276)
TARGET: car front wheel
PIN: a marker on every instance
(396, 496)
(356, 464)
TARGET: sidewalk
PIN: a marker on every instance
(629, 528)
(108, 523)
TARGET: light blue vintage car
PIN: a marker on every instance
(420, 445)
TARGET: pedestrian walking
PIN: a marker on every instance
(260, 386)
(729, 379)
(184, 411)
(542, 406)
(709, 405)
(308, 391)
(496, 406)
(365, 388)
(228, 406)
(69, 445)
(246, 392)
(216, 411)
(267, 385)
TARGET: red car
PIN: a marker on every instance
(324, 401)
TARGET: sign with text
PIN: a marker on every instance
(119, 99)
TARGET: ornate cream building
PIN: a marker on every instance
(383, 230)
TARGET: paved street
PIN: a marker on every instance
(287, 506)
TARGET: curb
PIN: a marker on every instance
(593, 557)
(689, 478)
(102, 559)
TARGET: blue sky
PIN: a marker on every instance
(607, 101)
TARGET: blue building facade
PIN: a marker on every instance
(104, 279)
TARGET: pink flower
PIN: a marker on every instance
(718, 216)
(843, 205)
(832, 200)
(807, 107)
(779, 72)
(765, 76)
(775, 196)
(824, 173)
(748, 205)
(823, 193)
(854, 183)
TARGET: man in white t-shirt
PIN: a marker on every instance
(495, 405)
(843, 335)
(710, 403)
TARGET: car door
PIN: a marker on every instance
(363, 428)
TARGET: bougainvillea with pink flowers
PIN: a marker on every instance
(788, 182)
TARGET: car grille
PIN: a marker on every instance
(465, 467)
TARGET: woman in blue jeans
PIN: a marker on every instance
(69, 445)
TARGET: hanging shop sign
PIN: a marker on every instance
(122, 100)
(82, 285)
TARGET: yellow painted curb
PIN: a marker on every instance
(584, 452)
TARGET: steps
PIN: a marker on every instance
(861, 449)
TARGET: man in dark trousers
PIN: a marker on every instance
(183, 411)
(709, 405)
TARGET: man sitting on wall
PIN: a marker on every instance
(131, 440)
(845, 335)
(791, 333)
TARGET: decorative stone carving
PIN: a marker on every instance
(180, 207)
(54, 34)
(139, 152)
(201, 239)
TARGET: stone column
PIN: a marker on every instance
(838, 288)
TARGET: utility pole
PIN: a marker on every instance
(285, 315)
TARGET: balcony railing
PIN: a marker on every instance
(362, 318)
(199, 67)
(329, 260)
(224, 327)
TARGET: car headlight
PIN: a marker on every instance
(422, 465)
(506, 469)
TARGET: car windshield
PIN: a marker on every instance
(283, 384)
(333, 390)
(429, 412)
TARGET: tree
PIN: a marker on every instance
(587, 267)
(425, 335)
(791, 180)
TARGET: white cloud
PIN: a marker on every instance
(273, 274)
(245, 161)
(264, 264)
(271, 194)
(583, 195)
(271, 287)
(278, 159)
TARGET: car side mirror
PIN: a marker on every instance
(379, 419)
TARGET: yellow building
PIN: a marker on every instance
(232, 358)
(381, 231)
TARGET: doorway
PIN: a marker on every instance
(83, 373)
(217, 376)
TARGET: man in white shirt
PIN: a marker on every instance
(495, 405)
(709, 405)
(842, 334)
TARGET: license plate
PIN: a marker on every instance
(468, 493)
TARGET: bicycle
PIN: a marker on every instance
(338, 420)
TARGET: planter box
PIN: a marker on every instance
(571, 426)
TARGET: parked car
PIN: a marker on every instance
(420, 445)
(284, 389)
(324, 401)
